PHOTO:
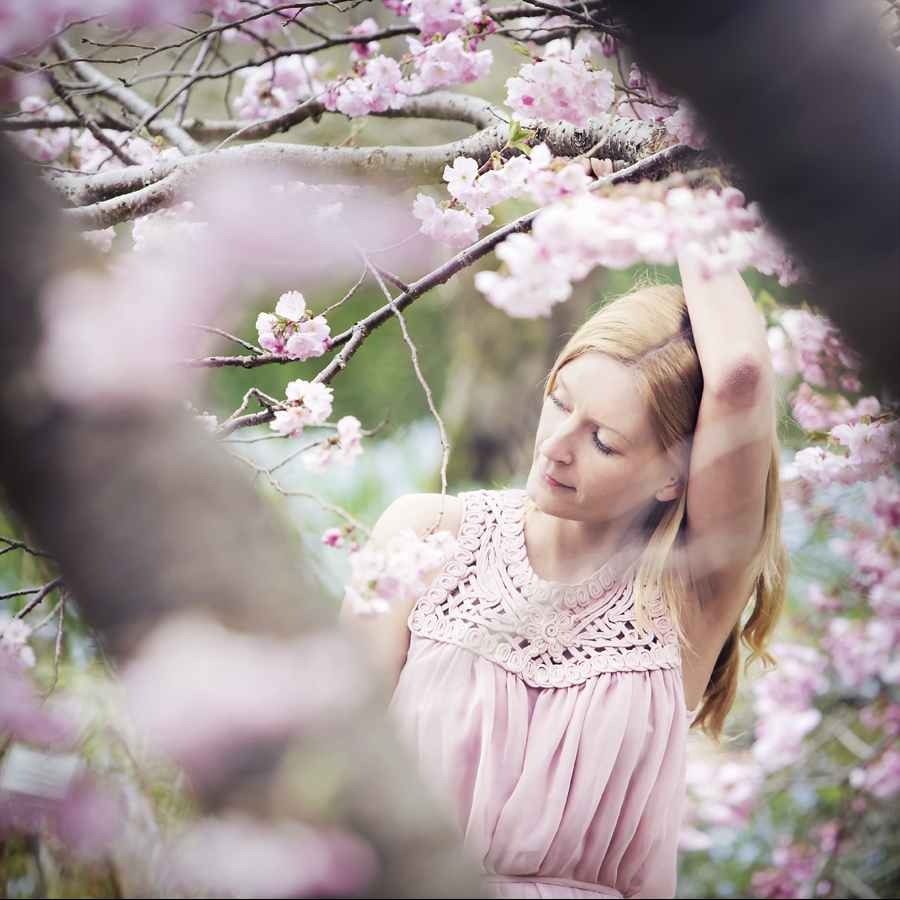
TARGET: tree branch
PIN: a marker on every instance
(139, 190)
(135, 104)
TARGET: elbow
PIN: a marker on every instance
(744, 381)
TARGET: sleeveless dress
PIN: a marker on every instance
(548, 722)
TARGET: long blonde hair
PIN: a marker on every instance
(649, 330)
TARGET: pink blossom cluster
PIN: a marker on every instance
(26, 24)
(881, 717)
(396, 572)
(783, 706)
(683, 122)
(864, 650)
(342, 447)
(441, 17)
(585, 230)
(14, 647)
(686, 125)
(44, 144)
(337, 537)
(309, 404)
(874, 448)
(561, 87)
(234, 10)
(292, 330)
(377, 83)
(275, 86)
(445, 62)
(809, 344)
(366, 49)
(881, 777)
(883, 501)
(820, 412)
(93, 156)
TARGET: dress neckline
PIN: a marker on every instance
(515, 554)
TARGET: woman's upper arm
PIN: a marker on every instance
(732, 446)
(387, 636)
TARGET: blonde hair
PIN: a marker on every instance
(649, 330)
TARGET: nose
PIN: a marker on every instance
(557, 444)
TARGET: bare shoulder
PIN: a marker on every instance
(419, 512)
(387, 636)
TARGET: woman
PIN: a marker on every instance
(549, 674)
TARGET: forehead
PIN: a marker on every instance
(605, 391)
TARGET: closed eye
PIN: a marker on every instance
(558, 403)
(605, 449)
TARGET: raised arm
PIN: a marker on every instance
(387, 636)
(731, 453)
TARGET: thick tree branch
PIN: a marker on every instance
(124, 194)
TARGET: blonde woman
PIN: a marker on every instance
(548, 676)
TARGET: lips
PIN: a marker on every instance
(549, 479)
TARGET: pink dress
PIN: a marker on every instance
(549, 723)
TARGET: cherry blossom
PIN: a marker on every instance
(310, 406)
(333, 537)
(395, 573)
(880, 778)
(561, 87)
(453, 227)
(360, 51)
(446, 62)
(292, 330)
(819, 412)
(276, 86)
(433, 17)
(44, 144)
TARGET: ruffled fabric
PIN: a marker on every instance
(571, 790)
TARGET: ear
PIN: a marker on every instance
(672, 489)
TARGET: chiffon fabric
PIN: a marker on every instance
(550, 723)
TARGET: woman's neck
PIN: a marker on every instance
(566, 551)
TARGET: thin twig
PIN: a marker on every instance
(46, 589)
(230, 337)
(349, 293)
(445, 444)
(57, 652)
(21, 545)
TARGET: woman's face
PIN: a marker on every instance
(597, 459)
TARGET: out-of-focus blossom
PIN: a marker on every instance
(369, 48)
(795, 866)
(395, 573)
(102, 239)
(276, 86)
(433, 17)
(44, 144)
(333, 537)
(240, 856)
(861, 651)
(153, 231)
(820, 412)
(881, 777)
(202, 692)
(783, 706)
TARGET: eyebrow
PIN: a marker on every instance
(598, 424)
